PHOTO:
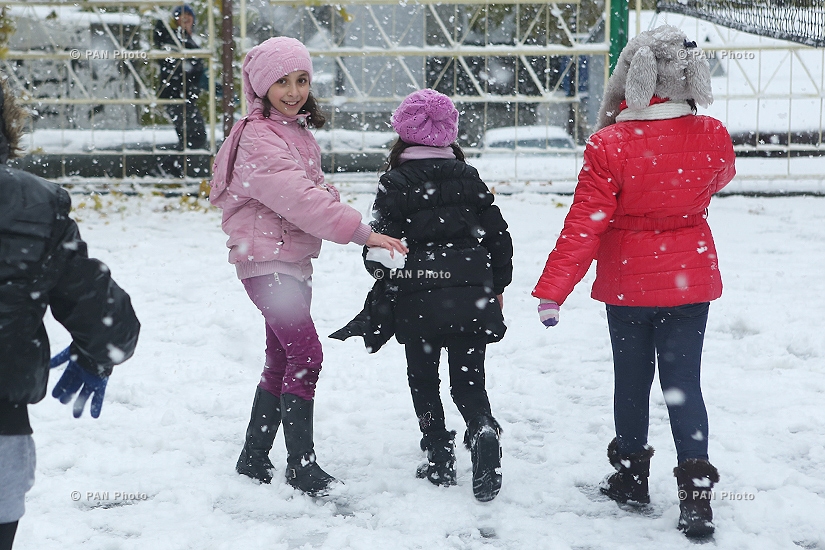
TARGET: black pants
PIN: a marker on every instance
(189, 124)
(466, 361)
(7, 531)
(673, 337)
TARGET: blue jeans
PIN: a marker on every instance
(673, 338)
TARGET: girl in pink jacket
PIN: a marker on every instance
(276, 210)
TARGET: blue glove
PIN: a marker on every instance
(76, 378)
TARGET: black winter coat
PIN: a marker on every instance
(460, 253)
(44, 263)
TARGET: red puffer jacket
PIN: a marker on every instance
(639, 210)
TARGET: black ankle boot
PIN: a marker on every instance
(629, 483)
(302, 472)
(440, 465)
(696, 478)
(260, 433)
(482, 438)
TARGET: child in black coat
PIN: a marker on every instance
(449, 292)
(44, 265)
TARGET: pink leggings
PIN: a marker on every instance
(293, 350)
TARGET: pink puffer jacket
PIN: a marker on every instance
(276, 207)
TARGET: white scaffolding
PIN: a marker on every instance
(89, 74)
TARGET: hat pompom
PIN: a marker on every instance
(439, 107)
(426, 117)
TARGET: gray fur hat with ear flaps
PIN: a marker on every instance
(660, 62)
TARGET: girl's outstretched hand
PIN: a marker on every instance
(390, 243)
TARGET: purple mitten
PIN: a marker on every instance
(548, 312)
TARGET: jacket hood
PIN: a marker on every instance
(224, 165)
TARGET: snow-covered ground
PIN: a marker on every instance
(174, 417)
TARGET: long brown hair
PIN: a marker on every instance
(398, 147)
(315, 118)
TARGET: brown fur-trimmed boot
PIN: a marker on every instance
(696, 478)
(629, 483)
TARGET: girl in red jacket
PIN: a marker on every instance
(640, 210)
(276, 210)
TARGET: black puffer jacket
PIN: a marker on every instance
(460, 250)
(44, 263)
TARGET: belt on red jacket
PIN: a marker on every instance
(667, 223)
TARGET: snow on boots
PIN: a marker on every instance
(263, 425)
(302, 472)
(482, 438)
(440, 465)
(629, 483)
(696, 478)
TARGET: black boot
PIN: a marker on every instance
(440, 465)
(482, 438)
(263, 425)
(302, 472)
(629, 483)
(696, 478)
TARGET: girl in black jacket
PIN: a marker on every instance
(449, 292)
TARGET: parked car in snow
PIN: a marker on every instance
(542, 140)
(353, 150)
(528, 153)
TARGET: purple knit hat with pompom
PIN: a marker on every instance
(426, 117)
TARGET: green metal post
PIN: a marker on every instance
(619, 10)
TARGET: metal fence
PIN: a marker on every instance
(90, 75)
(527, 78)
(505, 65)
(770, 94)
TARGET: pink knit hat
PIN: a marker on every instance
(271, 60)
(426, 117)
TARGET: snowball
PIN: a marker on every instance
(116, 354)
(674, 397)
